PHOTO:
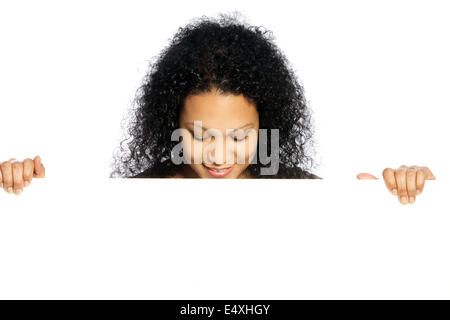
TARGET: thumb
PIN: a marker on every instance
(39, 170)
(428, 174)
(366, 176)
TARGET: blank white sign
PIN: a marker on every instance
(249, 239)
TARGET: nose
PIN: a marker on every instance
(220, 154)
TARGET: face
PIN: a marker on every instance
(221, 134)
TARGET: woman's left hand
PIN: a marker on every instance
(405, 182)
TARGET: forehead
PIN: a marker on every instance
(217, 110)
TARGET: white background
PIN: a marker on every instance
(376, 75)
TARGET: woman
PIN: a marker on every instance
(226, 75)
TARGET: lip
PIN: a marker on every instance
(219, 174)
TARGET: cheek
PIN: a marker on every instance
(191, 149)
(250, 148)
(253, 143)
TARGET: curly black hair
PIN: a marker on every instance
(236, 58)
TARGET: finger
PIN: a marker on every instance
(420, 181)
(39, 170)
(17, 168)
(400, 179)
(28, 169)
(7, 176)
(1, 179)
(37, 164)
(389, 180)
(366, 176)
(411, 183)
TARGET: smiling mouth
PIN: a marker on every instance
(218, 169)
(219, 172)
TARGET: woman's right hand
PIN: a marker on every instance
(15, 175)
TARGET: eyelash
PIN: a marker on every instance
(198, 139)
(235, 139)
(244, 138)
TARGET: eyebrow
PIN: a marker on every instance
(245, 125)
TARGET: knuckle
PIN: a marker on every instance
(17, 166)
(5, 165)
(411, 173)
(399, 174)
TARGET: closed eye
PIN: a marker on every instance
(194, 136)
(242, 139)
(201, 139)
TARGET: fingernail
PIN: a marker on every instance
(404, 200)
(18, 191)
(394, 192)
(26, 183)
(411, 199)
(418, 192)
(10, 190)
